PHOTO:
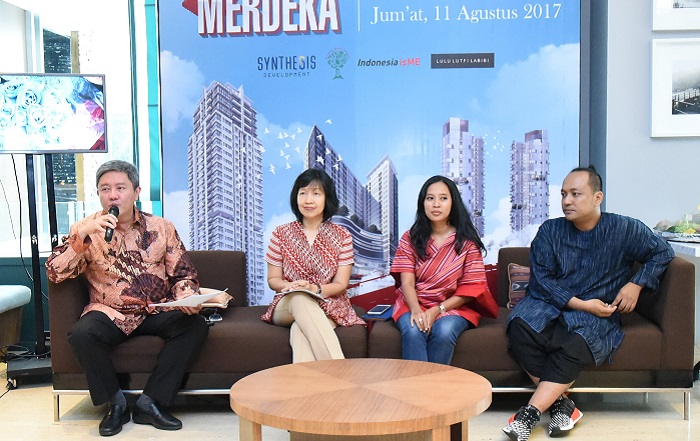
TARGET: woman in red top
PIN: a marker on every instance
(443, 289)
(312, 254)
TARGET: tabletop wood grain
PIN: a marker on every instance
(359, 397)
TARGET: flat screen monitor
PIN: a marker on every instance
(52, 113)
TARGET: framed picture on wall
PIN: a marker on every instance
(675, 87)
(676, 15)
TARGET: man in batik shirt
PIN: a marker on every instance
(129, 260)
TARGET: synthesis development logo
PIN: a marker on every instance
(284, 66)
(337, 58)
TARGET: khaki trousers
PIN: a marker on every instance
(311, 333)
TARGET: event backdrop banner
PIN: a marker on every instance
(382, 94)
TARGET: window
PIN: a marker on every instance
(76, 36)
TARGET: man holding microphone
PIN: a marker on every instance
(130, 260)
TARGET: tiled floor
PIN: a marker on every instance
(26, 413)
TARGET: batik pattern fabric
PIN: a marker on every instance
(144, 264)
(316, 263)
(442, 274)
(595, 264)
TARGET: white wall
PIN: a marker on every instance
(647, 178)
(12, 33)
(12, 59)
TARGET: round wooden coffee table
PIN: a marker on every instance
(361, 398)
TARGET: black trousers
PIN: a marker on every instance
(94, 335)
(555, 354)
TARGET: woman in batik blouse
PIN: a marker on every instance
(312, 254)
(443, 290)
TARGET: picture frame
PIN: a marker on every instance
(676, 15)
(675, 87)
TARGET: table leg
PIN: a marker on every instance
(465, 430)
(440, 434)
(248, 430)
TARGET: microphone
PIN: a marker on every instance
(109, 232)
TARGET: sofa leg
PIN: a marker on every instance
(686, 406)
(645, 397)
(56, 408)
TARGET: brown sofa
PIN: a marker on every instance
(237, 346)
(656, 354)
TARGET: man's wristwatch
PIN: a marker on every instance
(442, 308)
(319, 289)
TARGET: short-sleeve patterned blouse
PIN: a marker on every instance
(317, 263)
(443, 274)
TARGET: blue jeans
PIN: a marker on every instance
(438, 345)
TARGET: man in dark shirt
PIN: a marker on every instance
(580, 282)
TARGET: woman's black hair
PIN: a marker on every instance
(326, 183)
(459, 218)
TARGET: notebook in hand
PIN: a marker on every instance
(219, 301)
(193, 300)
(313, 294)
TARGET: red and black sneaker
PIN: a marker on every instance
(563, 416)
(521, 424)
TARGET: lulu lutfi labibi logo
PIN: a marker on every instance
(265, 17)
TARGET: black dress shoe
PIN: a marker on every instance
(156, 417)
(117, 416)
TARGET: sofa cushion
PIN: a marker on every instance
(641, 348)
(475, 350)
(14, 296)
(518, 280)
(240, 343)
(384, 340)
(138, 354)
(485, 348)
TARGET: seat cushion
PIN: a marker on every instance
(481, 349)
(240, 343)
(486, 348)
(641, 348)
(13, 296)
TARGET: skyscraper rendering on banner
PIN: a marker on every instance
(383, 186)
(529, 180)
(463, 162)
(368, 212)
(225, 188)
